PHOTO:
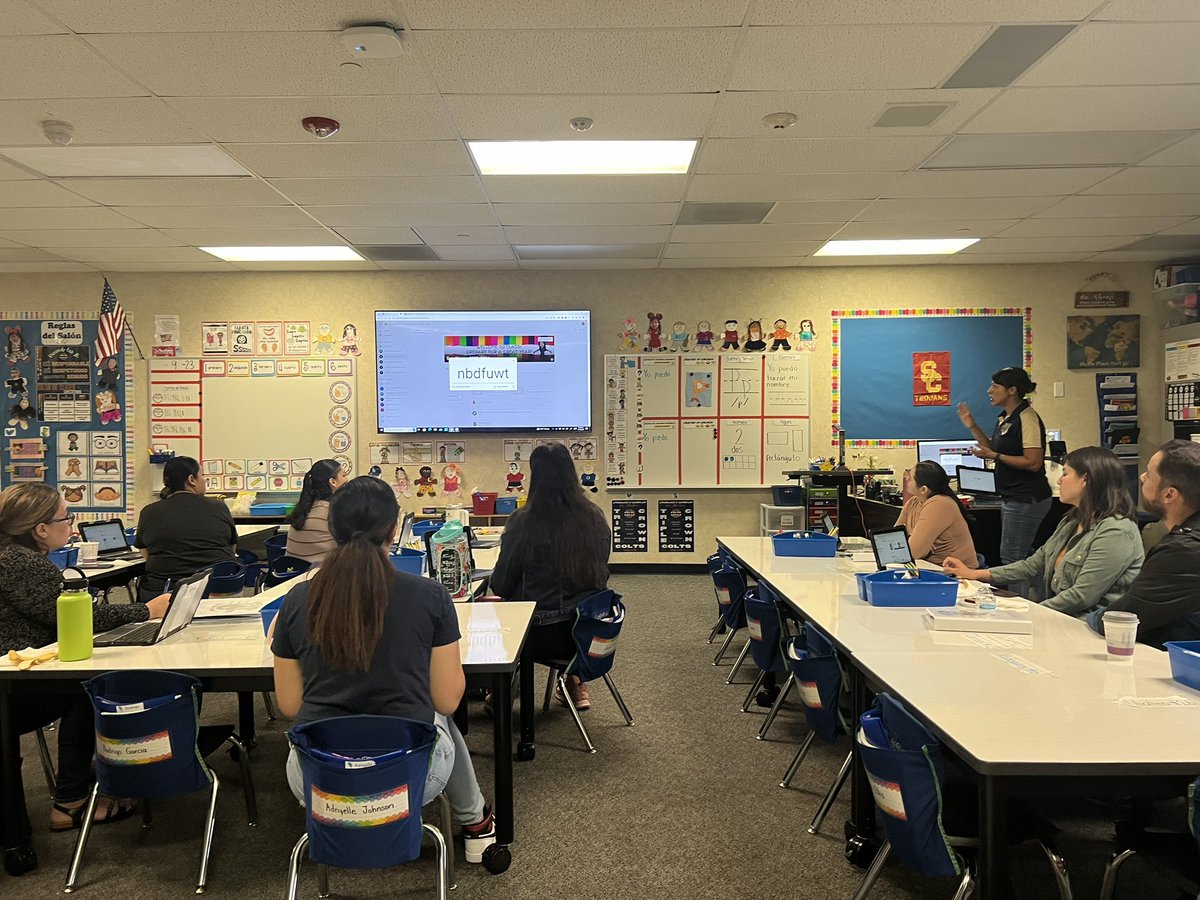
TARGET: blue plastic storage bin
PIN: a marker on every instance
(506, 506)
(269, 509)
(891, 588)
(804, 543)
(270, 611)
(1185, 668)
(425, 526)
(65, 556)
(406, 559)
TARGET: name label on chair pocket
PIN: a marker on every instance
(810, 696)
(888, 797)
(754, 626)
(602, 647)
(139, 751)
(365, 811)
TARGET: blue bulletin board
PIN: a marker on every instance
(873, 393)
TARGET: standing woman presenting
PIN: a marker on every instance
(1017, 446)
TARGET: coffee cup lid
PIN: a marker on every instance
(1121, 617)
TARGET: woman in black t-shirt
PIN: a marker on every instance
(1017, 447)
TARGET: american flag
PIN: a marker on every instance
(112, 325)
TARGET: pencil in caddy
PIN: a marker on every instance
(804, 543)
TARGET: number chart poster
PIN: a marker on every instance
(717, 420)
(876, 355)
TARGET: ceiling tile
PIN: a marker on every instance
(116, 120)
(1149, 11)
(999, 151)
(135, 254)
(936, 228)
(39, 193)
(1150, 180)
(1155, 256)
(1071, 244)
(217, 192)
(1129, 108)
(754, 262)
(831, 58)
(547, 116)
(587, 214)
(585, 188)
(258, 64)
(1131, 205)
(379, 234)
(743, 250)
(239, 120)
(587, 234)
(233, 236)
(451, 264)
(837, 113)
(1192, 226)
(589, 264)
(786, 156)
(467, 251)
(814, 211)
(587, 251)
(26, 254)
(45, 266)
(854, 262)
(659, 61)
(1132, 54)
(58, 66)
(957, 208)
(1094, 226)
(21, 18)
(379, 191)
(683, 234)
(404, 214)
(87, 17)
(347, 160)
(217, 217)
(84, 237)
(976, 259)
(995, 182)
(735, 188)
(479, 14)
(63, 217)
(10, 172)
(836, 12)
(461, 234)
(1184, 153)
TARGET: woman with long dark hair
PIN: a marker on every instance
(934, 517)
(309, 537)
(184, 531)
(1095, 552)
(360, 638)
(554, 551)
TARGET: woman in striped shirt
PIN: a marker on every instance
(309, 538)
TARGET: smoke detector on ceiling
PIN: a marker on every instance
(780, 120)
(373, 41)
(581, 123)
(58, 133)
(320, 126)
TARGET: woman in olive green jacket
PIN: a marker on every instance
(1096, 551)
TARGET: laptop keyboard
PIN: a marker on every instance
(142, 632)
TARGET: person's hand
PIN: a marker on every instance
(158, 606)
(983, 453)
(955, 567)
(964, 414)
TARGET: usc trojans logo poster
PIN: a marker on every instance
(931, 378)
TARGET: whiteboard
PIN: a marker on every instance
(713, 420)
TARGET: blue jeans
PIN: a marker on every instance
(1019, 523)
(450, 769)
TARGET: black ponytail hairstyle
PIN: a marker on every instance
(1013, 377)
(176, 473)
(931, 475)
(316, 487)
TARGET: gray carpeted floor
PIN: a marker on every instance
(686, 804)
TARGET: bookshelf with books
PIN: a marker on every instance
(1116, 397)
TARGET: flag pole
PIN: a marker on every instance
(129, 328)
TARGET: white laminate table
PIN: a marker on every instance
(1053, 716)
(250, 530)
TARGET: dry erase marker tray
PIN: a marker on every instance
(1185, 662)
(892, 588)
(804, 543)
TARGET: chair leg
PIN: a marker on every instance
(293, 884)
(551, 677)
(1059, 865)
(966, 887)
(873, 871)
(439, 846)
(270, 706)
(716, 629)
(612, 689)
(85, 830)
(47, 763)
(737, 665)
(775, 707)
(209, 827)
(797, 759)
(753, 687)
(1109, 884)
(834, 790)
(724, 647)
(447, 829)
(562, 684)
(243, 758)
(322, 881)
(147, 814)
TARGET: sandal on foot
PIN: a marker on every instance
(113, 811)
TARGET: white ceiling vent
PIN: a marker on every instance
(910, 115)
(398, 252)
(724, 213)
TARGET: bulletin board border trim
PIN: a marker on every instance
(1025, 312)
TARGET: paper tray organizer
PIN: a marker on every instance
(804, 543)
(891, 588)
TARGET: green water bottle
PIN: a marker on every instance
(74, 618)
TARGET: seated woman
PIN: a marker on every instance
(936, 523)
(360, 638)
(184, 531)
(1095, 552)
(33, 521)
(554, 551)
(309, 538)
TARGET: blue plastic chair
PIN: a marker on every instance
(1175, 851)
(150, 745)
(904, 766)
(275, 547)
(729, 582)
(598, 621)
(764, 624)
(714, 563)
(364, 786)
(226, 578)
(284, 568)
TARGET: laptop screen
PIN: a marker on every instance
(976, 481)
(109, 535)
(184, 603)
(891, 547)
(830, 527)
(406, 531)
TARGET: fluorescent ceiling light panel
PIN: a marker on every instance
(582, 157)
(126, 162)
(283, 254)
(1006, 54)
(907, 247)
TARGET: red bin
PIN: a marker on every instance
(483, 503)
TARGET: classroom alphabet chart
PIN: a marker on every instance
(717, 420)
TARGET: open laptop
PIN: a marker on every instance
(110, 535)
(980, 482)
(181, 609)
(406, 534)
(890, 546)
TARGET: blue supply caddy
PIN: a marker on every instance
(1185, 662)
(804, 543)
(893, 588)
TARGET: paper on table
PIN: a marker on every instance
(1021, 664)
(999, 641)
(1173, 701)
(230, 607)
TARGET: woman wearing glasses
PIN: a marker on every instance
(33, 521)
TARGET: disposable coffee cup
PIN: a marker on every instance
(88, 551)
(1120, 634)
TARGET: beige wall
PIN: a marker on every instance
(612, 296)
